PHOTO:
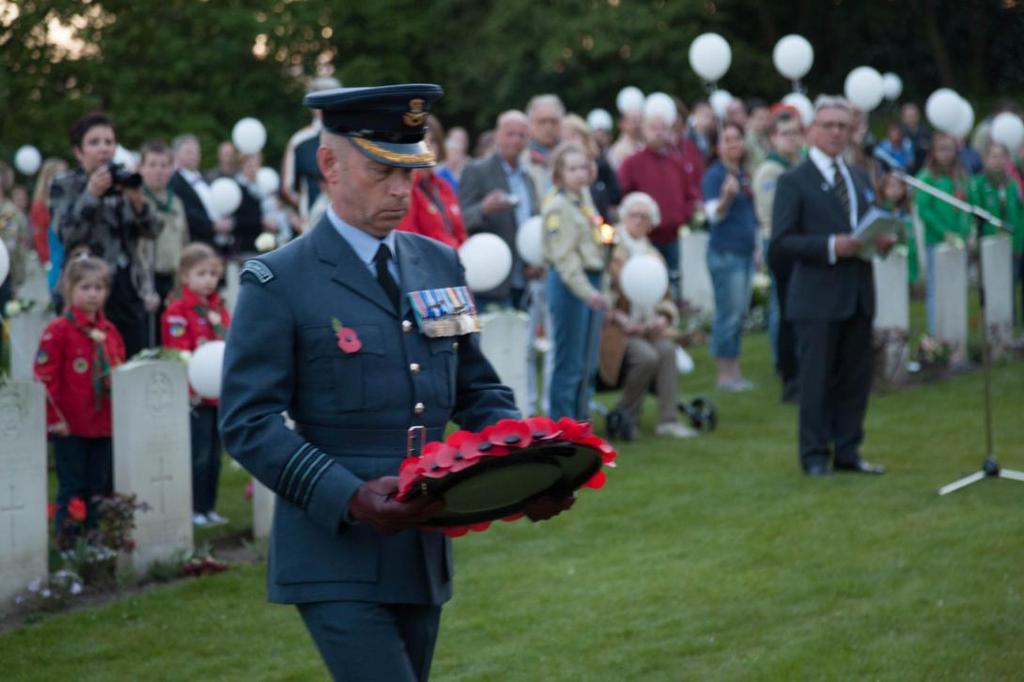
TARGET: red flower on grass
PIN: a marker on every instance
(77, 509)
(348, 339)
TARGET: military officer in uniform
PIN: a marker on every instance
(324, 329)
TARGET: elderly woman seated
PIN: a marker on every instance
(638, 348)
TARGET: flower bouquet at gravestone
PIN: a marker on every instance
(495, 473)
(933, 355)
(91, 552)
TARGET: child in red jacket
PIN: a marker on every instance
(195, 314)
(76, 354)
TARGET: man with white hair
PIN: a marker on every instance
(831, 297)
(661, 170)
(545, 113)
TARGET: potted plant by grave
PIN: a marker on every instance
(933, 356)
(91, 551)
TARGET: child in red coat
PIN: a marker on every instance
(195, 314)
(76, 355)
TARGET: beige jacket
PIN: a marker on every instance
(572, 243)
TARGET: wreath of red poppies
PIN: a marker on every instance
(465, 449)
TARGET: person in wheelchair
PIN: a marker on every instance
(638, 351)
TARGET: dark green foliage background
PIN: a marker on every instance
(168, 66)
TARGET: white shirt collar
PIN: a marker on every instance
(824, 163)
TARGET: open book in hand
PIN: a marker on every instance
(874, 223)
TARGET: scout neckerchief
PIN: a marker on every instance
(998, 181)
(162, 206)
(207, 312)
(430, 191)
(779, 159)
(593, 218)
(100, 361)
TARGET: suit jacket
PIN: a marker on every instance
(352, 411)
(200, 228)
(479, 178)
(806, 212)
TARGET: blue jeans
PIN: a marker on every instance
(929, 300)
(206, 449)
(575, 327)
(670, 252)
(84, 470)
(731, 276)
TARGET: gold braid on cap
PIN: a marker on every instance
(368, 145)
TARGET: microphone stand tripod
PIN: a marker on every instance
(990, 467)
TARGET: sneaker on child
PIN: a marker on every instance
(215, 519)
(200, 520)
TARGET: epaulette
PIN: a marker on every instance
(257, 269)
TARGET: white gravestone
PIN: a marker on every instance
(892, 315)
(696, 280)
(232, 284)
(26, 329)
(36, 287)
(951, 299)
(262, 510)
(152, 456)
(503, 342)
(997, 268)
(23, 524)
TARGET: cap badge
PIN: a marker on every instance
(415, 116)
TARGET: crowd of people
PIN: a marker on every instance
(128, 254)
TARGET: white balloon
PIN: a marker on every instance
(892, 86)
(268, 180)
(487, 260)
(965, 120)
(5, 262)
(943, 109)
(630, 100)
(599, 119)
(802, 104)
(249, 135)
(660, 104)
(225, 195)
(710, 56)
(530, 241)
(204, 369)
(1007, 129)
(863, 88)
(793, 56)
(719, 101)
(644, 280)
(27, 159)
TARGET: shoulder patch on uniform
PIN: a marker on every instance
(259, 270)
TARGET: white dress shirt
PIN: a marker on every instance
(826, 166)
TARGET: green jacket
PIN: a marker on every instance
(1001, 201)
(940, 218)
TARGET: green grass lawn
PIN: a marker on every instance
(707, 559)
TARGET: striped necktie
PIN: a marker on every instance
(841, 190)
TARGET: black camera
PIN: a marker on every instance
(122, 178)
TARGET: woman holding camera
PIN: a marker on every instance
(100, 206)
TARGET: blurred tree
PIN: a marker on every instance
(162, 68)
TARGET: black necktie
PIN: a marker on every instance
(387, 282)
(842, 193)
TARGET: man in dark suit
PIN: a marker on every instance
(188, 184)
(368, 582)
(497, 195)
(831, 297)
